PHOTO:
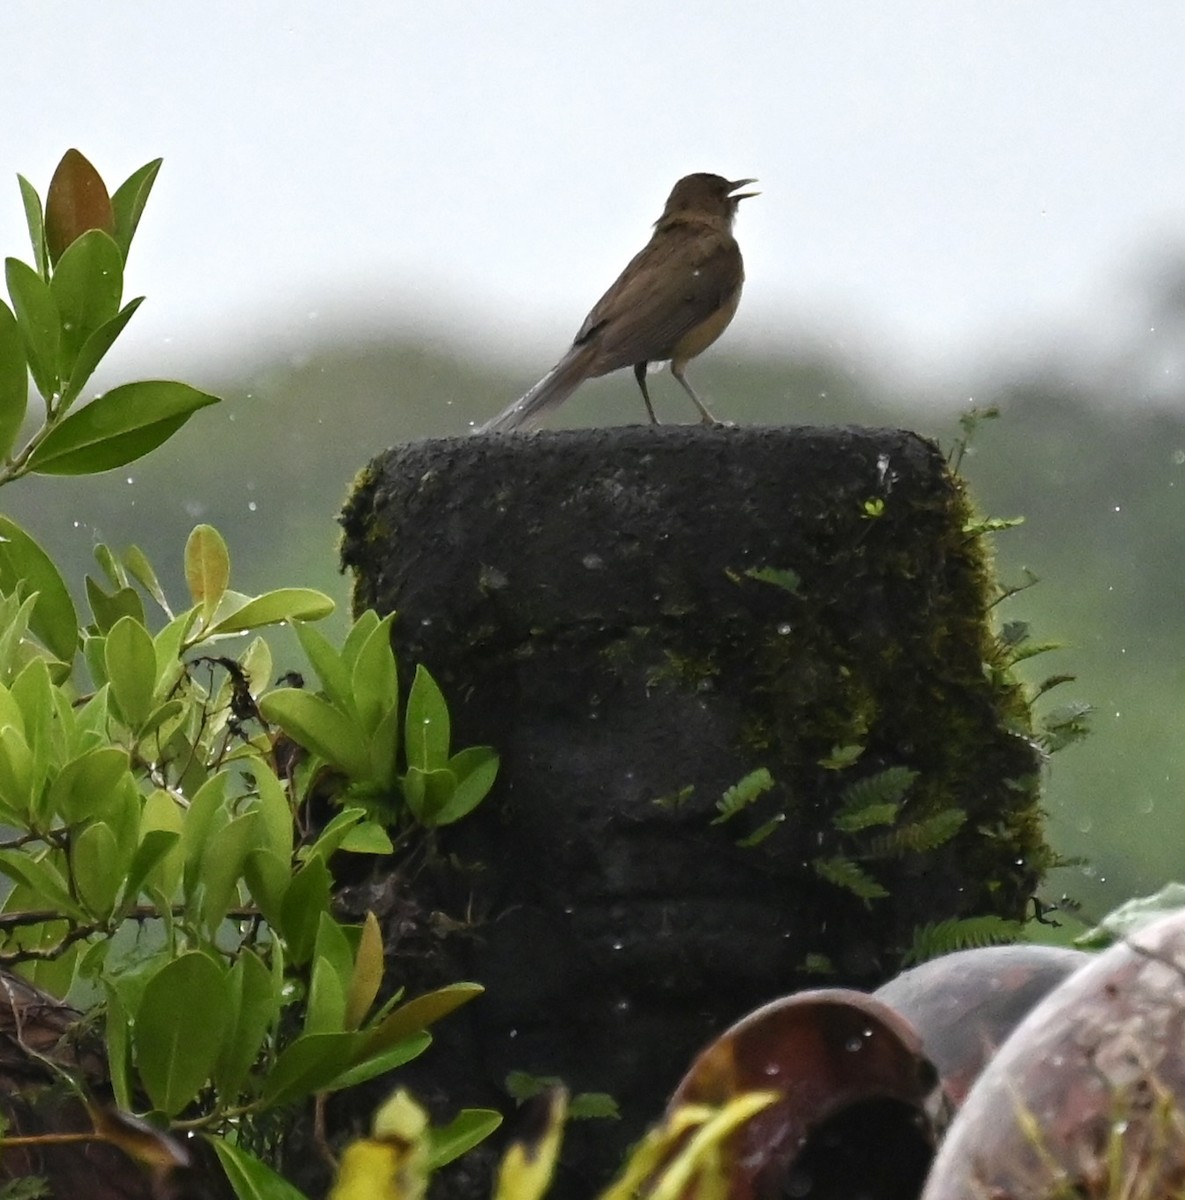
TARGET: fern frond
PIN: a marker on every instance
(757, 836)
(919, 836)
(782, 577)
(862, 818)
(846, 874)
(742, 794)
(965, 933)
(885, 787)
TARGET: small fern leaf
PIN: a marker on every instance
(919, 836)
(863, 818)
(782, 577)
(742, 794)
(885, 787)
(967, 933)
(762, 831)
(846, 874)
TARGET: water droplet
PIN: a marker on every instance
(618, 944)
(251, 506)
(784, 628)
(853, 1044)
(593, 562)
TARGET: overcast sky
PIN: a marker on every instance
(940, 178)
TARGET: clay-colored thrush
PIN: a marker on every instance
(673, 300)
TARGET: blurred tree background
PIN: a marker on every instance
(1089, 448)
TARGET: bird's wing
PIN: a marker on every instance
(677, 281)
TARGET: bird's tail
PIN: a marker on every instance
(551, 391)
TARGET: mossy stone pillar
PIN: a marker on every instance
(639, 618)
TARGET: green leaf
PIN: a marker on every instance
(275, 813)
(127, 203)
(865, 818)
(143, 573)
(267, 876)
(250, 1178)
(742, 793)
(364, 625)
(54, 619)
(117, 428)
(95, 348)
(91, 775)
(179, 1029)
(333, 834)
(14, 381)
(107, 609)
(317, 726)
(842, 757)
(205, 817)
(40, 325)
(428, 793)
(97, 868)
(475, 770)
(468, 1128)
(368, 837)
(309, 1064)
(305, 899)
(419, 1014)
(118, 1028)
(787, 580)
(207, 569)
(222, 867)
(387, 1060)
(593, 1105)
(86, 286)
(130, 657)
(327, 662)
(326, 1006)
(42, 877)
(35, 219)
(965, 933)
(155, 845)
(255, 1000)
(375, 679)
(426, 725)
(283, 604)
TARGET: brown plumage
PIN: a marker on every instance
(672, 301)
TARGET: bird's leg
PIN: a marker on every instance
(705, 416)
(640, 376)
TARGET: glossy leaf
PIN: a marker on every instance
(40, 325)
(160, 815)
(207, 568)
(128, 203)
(254, 999)
(275, 813)
(467, 1129)
(250, 1178)
(283, 604)
(426, 725)
(35, 220)
(54, 620)
(335, 831)
(326, 1006)
(428, 793)
(318, 726)
(86, 287)
(107, 608)
(327, 662)
(374, 682)
(142, 571)
(475, 770)
(97, 868)
(118, 1029)
(154, 846)
(222, 867)
(179, 1029)
(14, 380)
(305, 899)
(95, 348)
(419, 1014)
(75, 202)
(374, 1065)
(43, 878)
(117, 428)
(131, 669)
(267, 876)
(205, 817)
(364, 625)
(83, 780)
(309, 1064)
(367, 837)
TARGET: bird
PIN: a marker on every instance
(676, 296)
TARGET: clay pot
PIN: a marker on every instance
(1085, 1098)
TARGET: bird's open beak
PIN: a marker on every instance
(740, 183)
